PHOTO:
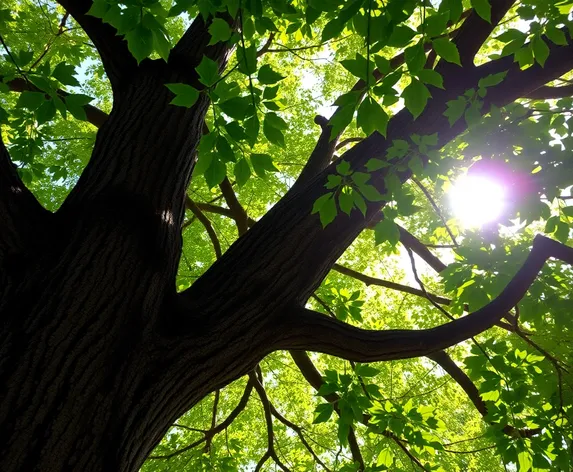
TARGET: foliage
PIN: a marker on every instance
(291, 60)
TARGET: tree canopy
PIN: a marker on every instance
(432, 341)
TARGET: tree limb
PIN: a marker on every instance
(270, 453)
(436, 208)
(447, 363)
(475, 30)
(217, 429)
(238, 213)
(298, 430)
(118, 62)
(368, 280)
(310, 330)
(206, 223)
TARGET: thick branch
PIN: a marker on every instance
(475, 30)
(238, 213)
(410, 241)
(309, 330)
(118, 62)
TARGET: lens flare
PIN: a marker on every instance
(476, 200)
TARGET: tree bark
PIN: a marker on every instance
(98, 354)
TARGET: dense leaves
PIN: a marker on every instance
(506, 403)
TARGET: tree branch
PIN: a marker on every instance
(270, 453)
(217, 429)
(475, 30)
(447, 363)
(94, 115)
(238, 213)
(436, 208)
(118, 62)
(309, 330)
(206, 223)
(368, 280)
(298, 430)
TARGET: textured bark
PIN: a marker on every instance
(98, 354)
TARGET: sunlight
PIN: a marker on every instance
(476, 200)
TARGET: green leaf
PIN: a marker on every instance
(276, 121)
(415, 97)
(98, 8)
(371, 117)
(401, 36)
(323, 412)
(247, 59)
(343, 168)
(208, 71)
(358, 66)
(219, 30)
(46, 112)
(333, 181)
(215, 173)
(482, 8)
(364, 370)
(320, 201)
(456, 109)
(75, 104)
(262, 163)
(237, 107)
(140, 42)
(359, 201)
(383, 64)
(333, 28)
(161, 44)
(435, 25)
(430, 76)
(267, 75)
(64, 73)
(491, 80)
(447, 50)
(376, 164)
(224, 149)
(185, 95)
(242, 172)
(525, 461)
(415, 57)
(30, 100)
(273, 134)
(386, 230)
(556, 35)
(370, 192)
(346, 201)
(385, 458)
(270, 92)
(540, 50)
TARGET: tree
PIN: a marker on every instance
(203, 127)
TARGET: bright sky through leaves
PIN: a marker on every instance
(476, 200)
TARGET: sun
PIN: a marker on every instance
(476, 200)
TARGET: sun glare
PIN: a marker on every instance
(476, 200)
